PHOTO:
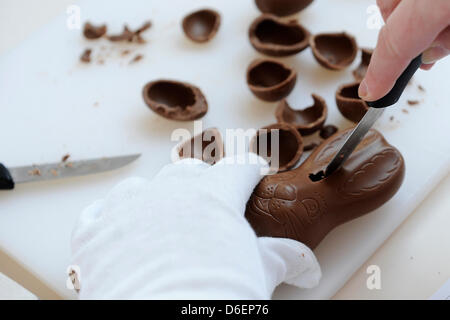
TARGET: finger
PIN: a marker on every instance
(410, 29)
(288, 261)
(426, 67)
(237, 177)
(387, 7)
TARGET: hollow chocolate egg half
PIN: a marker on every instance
(334, 51)
(282, 7)
(202, 25)
(349, 103)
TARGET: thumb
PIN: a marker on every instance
(288, 261)
(237, 176)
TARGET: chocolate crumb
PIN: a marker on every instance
(405, 111)
(421, 88)
(86, 56)
(137, 58)
(125, 52)
(92, 32)
(391, 118)
(310, 146)
(131, 36)
(328, 131)
(65, 158)
(413, 102)
(34, 172)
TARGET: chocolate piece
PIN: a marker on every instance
(290, 145)
(275, 37)
(307, 121)
(137, 58)
(92, 32)
(270, 80)
(86, 56)
(334, 51)
(349, 103)
(421, 88)
(175, 100)
(290, 205)
(201, 26)
(413, 102)
(328, 131)
(207, 146)
(360, 72)
(310, 146)
(282, 7)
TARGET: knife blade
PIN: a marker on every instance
(376, 109)
(52, 171)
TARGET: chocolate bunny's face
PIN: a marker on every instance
(291, 205)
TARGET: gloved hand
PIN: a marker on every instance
(183, 235)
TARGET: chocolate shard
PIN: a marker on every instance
(129, 35)
(290, 205)
(349, 103)
(360, 72)
(328, 131)
(275, 37)
(202, 25)
(270, 80)
(207, 146)
(282, 7)
(334, 51)
(290, 145)
(306, 121)
(92, 32)
(175, 100)
(86, 56)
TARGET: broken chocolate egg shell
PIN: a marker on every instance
(207, 146)
(306, 121)
(349, 103)
(291, 205)
(92, 32)
(334, 51)
(270, 80)
(201, 26)
(175, 100)
(290, 144)
(360, 72)
(282, 8)
(275, 37)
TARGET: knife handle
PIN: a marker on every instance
(400, 85)
(6, 181)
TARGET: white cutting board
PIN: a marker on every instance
(52, 105)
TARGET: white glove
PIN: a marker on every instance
(183, 235)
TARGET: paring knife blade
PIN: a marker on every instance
(69, 169)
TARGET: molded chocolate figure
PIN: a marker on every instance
(291, 205)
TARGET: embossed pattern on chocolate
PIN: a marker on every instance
(290, 205)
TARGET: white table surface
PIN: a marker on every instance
(416, 251)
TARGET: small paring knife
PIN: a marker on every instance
(376, 109)
(9, 177)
